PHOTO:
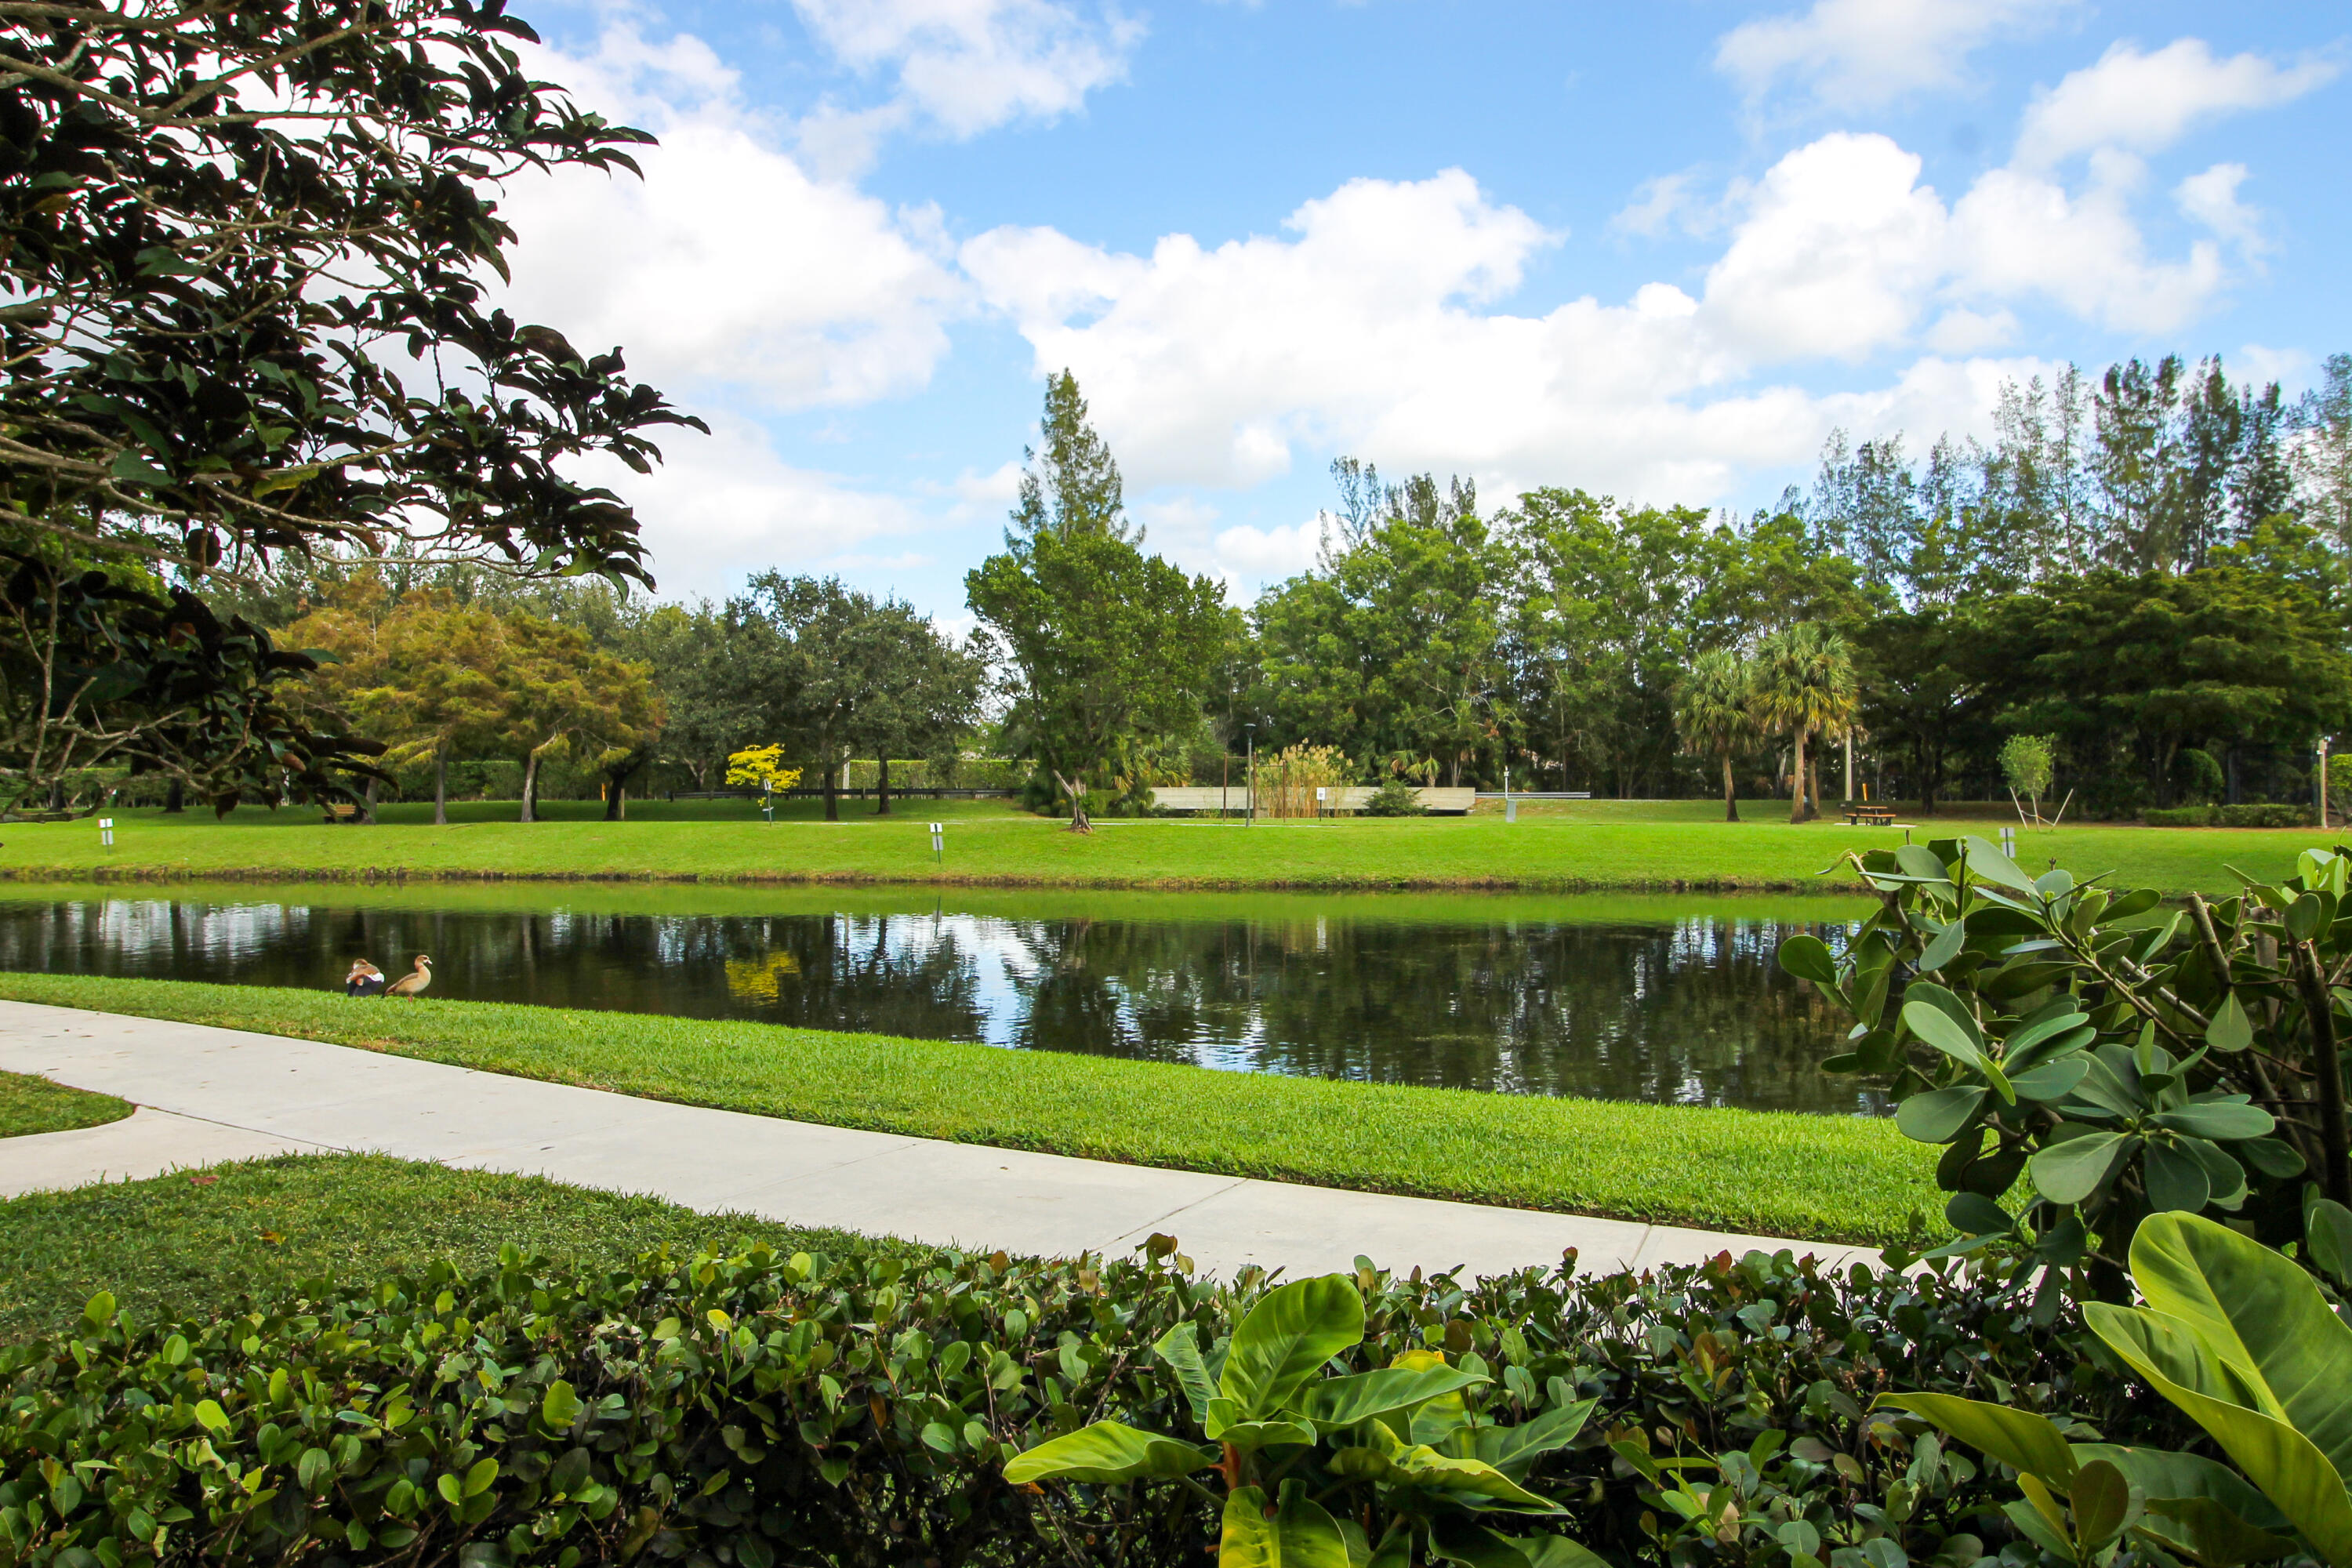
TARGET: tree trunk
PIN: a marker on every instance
(530, 785)
(441, 787)
(832, 792)
(367, 804)
(1730, 799)
(1078, 820)
(616, 793)
(1813, 796)
(1797, 778)
(175, 799)
(882, 791)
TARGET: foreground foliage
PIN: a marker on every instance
(861, 1408)
(2124, 1062)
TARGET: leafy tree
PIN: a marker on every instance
(1106, 644)
(1072, 484)
(1805, 686)
(925, 695)
(2026, 762)
(422, 676)
(1922, 675)
(1390, 647)
(197, 391)
(2321, 458)
(562, 692)
(1715, 712)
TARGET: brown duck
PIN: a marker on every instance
(412, 984)
(364, 979)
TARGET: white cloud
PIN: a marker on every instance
(1373, 326)
(1661, 203)
(2144, 102)
(727, 504)
(2018, 234)
(1267, 554)
(1861, 54)
(2210, 198)
(727, 265)
(969, 65)
(1835, 256)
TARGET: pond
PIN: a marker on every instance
(1662, 999)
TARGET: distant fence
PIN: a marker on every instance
(1535, 794)
(851, 792)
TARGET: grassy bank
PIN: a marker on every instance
(29, 1104)
(989, 845)
(203, 1244)
(1815, 1177)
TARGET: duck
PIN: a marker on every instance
(412, 984)
(364, 979)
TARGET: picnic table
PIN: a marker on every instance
(1870, 815)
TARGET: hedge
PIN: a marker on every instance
(761, 1410)
(2251, 816)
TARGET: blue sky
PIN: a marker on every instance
(1655, 251)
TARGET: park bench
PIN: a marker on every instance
(344, 811)
(1870, 815)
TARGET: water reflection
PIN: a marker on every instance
(1529, 996)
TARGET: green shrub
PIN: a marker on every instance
(2181, 816)
(1394, 797)
(2266, 815)
(759, 1410)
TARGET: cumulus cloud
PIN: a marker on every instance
(1372, 325)
(963, 66)
(2144, 102)
(728, 264)
(2210, 198)
(1864, 54)
(726, 504)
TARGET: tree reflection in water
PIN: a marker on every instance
(1657, 1007)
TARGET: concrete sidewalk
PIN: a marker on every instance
(208, 1095)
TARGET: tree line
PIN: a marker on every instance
(2150, 571)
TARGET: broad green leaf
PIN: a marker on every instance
(1432, 1421)
(2291, 1470)
(2303, 917)
(2018, 1438)
(2137, 902)
(1940, 1030)
(2174, 1180)
(1295, 1533)
(1973, 1213)
(1945, 948)
(2165, 1475)
(2030, 1049)
(2230, 1029)
(1105, 1454)
(2104, 1505)
(2071, 1171)
(1559, 1551)
(1807, 957)
(2051, 1080)
(2328, 1238)
(2222, 1120)
(1286, 1338)
(2260, 1314)
(1515, 1450)
(1180, 1347)
(1336, 1402)
(1224, 1425)
(211, 1416)
(1456, 1540)
(1989, 863)
(1936, 1115)
(561, 1407)
(1918, 860)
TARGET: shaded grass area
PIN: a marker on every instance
(29, 1104)
(1820, 1178)
(205, 1244)
(995, 846)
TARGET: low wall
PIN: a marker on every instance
(1351, 798)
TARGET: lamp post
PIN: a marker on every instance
(1249, 793)
(2323, 781)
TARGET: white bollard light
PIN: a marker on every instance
(106, 831)
(939, 841)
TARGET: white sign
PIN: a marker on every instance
(1322, 793)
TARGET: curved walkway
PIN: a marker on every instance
(206, 1095)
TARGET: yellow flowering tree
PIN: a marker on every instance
(762, 765)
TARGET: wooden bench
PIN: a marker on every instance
(344, 811)
(1869, 817)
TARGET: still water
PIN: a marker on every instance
(1665, 999)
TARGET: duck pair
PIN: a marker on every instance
(366, 979)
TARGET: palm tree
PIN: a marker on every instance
(1715, 708)
(1805, 685)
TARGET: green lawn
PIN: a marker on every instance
(202, 1245)
(29, 1104)
(1669, 846)
(1814, 1177)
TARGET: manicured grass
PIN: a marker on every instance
(992, 844)
(1812, 1177)
(203, 1244)
(29, 1104)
